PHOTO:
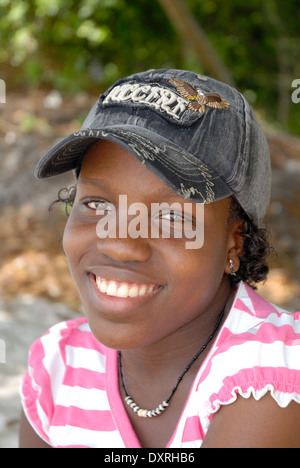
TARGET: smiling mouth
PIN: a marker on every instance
(122, 289)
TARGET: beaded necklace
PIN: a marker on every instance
(144, 413)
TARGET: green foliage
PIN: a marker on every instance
(75, 45)
(259, 42)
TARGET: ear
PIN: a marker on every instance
(235, 246)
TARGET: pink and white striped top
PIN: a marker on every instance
(71, 397)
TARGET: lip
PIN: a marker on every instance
(116, 304)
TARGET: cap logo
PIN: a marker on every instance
(157, 97)
(198, 100)
(165, 100)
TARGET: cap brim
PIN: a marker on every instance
(181, 171)
(64, 156)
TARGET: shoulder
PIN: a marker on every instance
(263, 326)
(62, 341)
(64, 357)
(49, 355)
(255, 322)
(64, 349)
(257, 352)
(255, 424)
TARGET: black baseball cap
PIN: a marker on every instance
(198, 135)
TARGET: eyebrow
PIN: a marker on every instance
(96, 181)
(165, 194)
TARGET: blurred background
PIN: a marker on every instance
(56, 56)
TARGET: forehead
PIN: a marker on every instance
(110, 167)
(109, 164)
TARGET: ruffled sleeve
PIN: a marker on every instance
(257, 352)
(283, 384)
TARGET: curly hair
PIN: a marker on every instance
(65, 196)
(256, 248)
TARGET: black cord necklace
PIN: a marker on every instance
(144, 413)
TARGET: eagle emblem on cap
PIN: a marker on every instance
(198, 99)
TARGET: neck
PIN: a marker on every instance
(166, 359)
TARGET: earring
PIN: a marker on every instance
(232, 272)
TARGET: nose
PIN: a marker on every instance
(125, 250)
(118, 234)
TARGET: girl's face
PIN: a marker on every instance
(174, 288)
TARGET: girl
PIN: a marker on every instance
(176, 349)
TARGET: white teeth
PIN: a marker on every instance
(123, 291)
(143, 290)
(113, 288)
(133, 291)
(103, 287)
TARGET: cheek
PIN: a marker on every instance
(203, 263)
(70, 249)
(199, 272)
(76, 240)
(69, 240)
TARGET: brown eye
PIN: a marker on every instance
(101, 207)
